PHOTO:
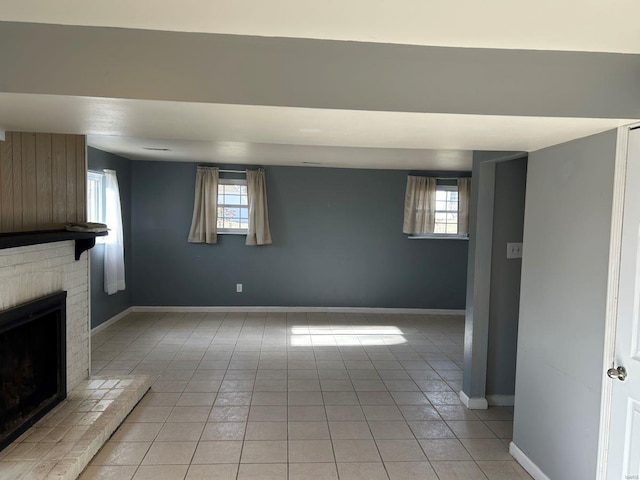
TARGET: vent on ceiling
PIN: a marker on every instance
(312, 163)
(157, 149)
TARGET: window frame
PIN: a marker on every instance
(442, 236)
(445, 188)
(99, 178)
(231, 231)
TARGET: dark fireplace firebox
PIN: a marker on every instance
(33, 374)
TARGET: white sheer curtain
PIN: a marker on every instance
(258, 233)
(113, 244)
(464, 198)
(205, 207)
(419, 205)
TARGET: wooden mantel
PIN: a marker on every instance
(84, 240)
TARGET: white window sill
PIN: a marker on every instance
(231, 233)
(438, 236)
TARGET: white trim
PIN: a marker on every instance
(438, 236)
(475, 403)
(99, 179)
(89, 353)
(112, 320)
(389, 311)
(501, 400)
(85, 167)
(613, 285)
(526, 463)
(233, 181)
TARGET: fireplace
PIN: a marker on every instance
(32, 363)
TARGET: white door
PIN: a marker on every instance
(624, 439)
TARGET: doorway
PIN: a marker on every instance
(506, 267)
(499, 180)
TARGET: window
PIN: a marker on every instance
(446, 213)
(437, 207)
(233, 206)
(95, 197)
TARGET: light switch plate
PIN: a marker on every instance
(514, 250)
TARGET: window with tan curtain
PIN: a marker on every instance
(436, 209)
(259, 233)
(230, 207)
(205, 204)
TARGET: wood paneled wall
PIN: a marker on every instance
(43, 180)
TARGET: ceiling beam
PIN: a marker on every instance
(233, 69)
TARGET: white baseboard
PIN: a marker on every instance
(390, 311)
(501, 400)
(526, 463)
(112, 320)
(475, 403)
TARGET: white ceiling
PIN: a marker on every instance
(266, 135)
(203, 151)
(576, 25)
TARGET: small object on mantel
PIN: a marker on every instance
(87, 227)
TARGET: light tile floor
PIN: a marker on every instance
(299, 396)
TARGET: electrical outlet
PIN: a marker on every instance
(514, 250)
(238, 288)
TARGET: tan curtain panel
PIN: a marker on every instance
(205, 205)
(419, 205)
(259, 233)
(464, 199)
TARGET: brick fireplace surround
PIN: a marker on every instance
(28, 273)
(61, 444)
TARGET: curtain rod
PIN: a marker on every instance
(437, 178)
(440, 178)
(451, 178)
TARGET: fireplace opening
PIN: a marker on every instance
(32, 363)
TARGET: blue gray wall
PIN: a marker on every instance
(508, 222)
(104, 306)
(337, 241)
